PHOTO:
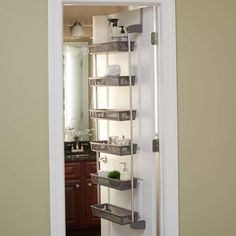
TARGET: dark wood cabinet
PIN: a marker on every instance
(91, 198)
(73, 198)
(80, 194)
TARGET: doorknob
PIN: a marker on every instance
(89, 184)
(77, 186)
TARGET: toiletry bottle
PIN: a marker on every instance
(124, 174)
(115, 29)
(123, 36)
(122, 31)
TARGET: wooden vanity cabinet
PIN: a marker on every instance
(90, 194)
(73, 201)
(80, 194)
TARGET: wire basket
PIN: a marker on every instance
(104, 147)
(107, 114)
(113, 213)
(112, 183)
(115, 46)
(111, 81)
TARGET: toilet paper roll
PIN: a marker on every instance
(100, 29)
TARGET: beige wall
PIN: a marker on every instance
(24, 181)
(206, 58)
(207, 113)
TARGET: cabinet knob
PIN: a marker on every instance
(89, 184)
(77, 186)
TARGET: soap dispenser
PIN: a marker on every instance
(115, 29)
(123, 36)
(124, 175)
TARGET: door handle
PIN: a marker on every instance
(89, 184)
(77, 186)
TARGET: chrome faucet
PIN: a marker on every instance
(77, 149)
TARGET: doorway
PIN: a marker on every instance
(80, 192)
(164, 142)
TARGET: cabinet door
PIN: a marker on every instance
(73, 170)
(91, 198)
(73, 203)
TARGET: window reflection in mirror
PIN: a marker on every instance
(76, 92)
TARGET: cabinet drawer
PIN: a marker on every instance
(73, 170)
(90, 167)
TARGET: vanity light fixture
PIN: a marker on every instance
(76, 29)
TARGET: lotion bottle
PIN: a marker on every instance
(124, 174)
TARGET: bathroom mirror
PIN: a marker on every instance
(76, 91)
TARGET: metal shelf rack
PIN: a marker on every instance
(108, 211)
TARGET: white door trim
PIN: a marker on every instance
(169, 212)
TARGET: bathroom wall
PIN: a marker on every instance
(24, 178)
(206, 65)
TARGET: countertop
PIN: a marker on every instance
(73, 157)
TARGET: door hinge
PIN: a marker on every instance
(155, 145)
(154, 38)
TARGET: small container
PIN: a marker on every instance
(123, 36)
(103, 173)
(113, 140)
(113, 70)
(123, 142)
(115, 31)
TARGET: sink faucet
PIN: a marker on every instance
(77, 149)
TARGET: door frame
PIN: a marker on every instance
(169, 207)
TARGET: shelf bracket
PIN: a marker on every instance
(138, 224)
(154, 38)
(155, 145)
(134, 29)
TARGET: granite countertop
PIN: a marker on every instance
(72, 157)
(85, 155)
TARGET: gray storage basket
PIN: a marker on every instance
(111, 81)
(115, 46)
(107, 114)
(113, 213)
(112, 183)
(112, 149)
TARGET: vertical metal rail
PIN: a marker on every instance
(108, 133)
(108, 123)
(131, 128)
(107, 99)
(96, 128)
(96, 93)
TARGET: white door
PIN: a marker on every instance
(145, 160)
